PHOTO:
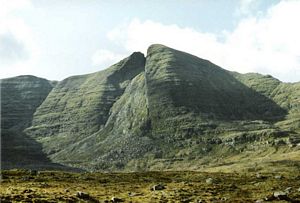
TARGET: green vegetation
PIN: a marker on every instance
(20, 96)
(51, 186)
(79, 106)
(168, 111)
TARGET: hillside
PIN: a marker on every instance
(79, 106)
(20, 97)
(167, 111)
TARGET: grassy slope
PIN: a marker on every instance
(203, 115)
(178, 112)
(79, 107)
(20, 96)
(121, 139)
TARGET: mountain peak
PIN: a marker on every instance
(137, 54)
(156, 47)
(170, 105)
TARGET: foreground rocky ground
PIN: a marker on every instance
(49, 186)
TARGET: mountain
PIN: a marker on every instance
(167, 111)
(20, 97)
(79, 106)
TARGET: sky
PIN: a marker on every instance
(55, 39)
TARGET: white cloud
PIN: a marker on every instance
(18, 50)
(266, 44)
(105, 58)
(11, 49)
(139, 35)
(246, 7)
(9, 6)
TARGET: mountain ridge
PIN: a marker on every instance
(168, 110)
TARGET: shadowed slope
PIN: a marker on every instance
(20, 96)
(79, 106)
(192, 90)
(124, 137)
(286, 95)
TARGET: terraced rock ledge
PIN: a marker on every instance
(169, 110)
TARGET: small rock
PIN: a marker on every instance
(82, 195)
(259, 201)
(279, 194)
(66, 190)
(298, 189)
(260, 176)
(27, 191)
(288, 190)
(158, 187)
(270, 198)
(133, 194)
(209, 181)
(278, 177)
(116, 199)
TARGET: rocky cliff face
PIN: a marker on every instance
(170, 110)
(20, 97)
(79, 106)
(193, 91)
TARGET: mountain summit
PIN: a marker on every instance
(168, 110)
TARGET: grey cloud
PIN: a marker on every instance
(11, 50)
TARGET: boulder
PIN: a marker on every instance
(209, 181)
(158, 187)
(82, 195)
(116, 199)
(278, 177)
